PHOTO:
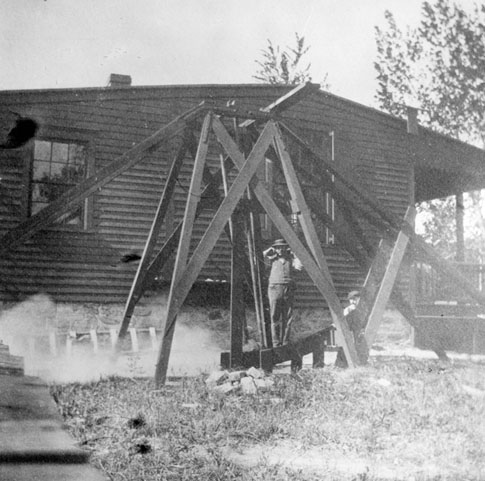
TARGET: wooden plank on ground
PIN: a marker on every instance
(49, 472)
(314, 342)
(33, 441)
(38, 440)
(9, 364)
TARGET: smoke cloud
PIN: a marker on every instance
(26, 327)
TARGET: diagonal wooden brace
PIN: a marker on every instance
(389, 223)
(322, 281)
(75, 195)
(138, 282)
(183, 280)
(379, 285)
(390, 275)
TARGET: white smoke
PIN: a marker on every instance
(25, 328)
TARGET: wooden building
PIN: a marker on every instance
(77, 258)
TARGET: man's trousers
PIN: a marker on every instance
(281, 297)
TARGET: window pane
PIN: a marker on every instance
(59, 152)
(41, 170)
(71, 218)
(57, 174)
(40, 192)
(77, 154)
(57, 167)
(37, 206)
(48, 191)
(42, 150)
(75, 173)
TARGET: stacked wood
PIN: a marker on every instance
(9, 364)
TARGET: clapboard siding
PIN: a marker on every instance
(369, 145)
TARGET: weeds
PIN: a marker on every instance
(409, 416)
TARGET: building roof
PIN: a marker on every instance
(443, 165)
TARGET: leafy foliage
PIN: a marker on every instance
(437, 219)
(53, 186)
(438, 68)
(279, 66)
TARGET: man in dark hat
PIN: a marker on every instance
(281, 289)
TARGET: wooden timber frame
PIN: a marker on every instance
(186, 270)
(382, 263)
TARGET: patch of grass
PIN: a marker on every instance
(412, 415)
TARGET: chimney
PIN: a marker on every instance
(412, 123)
(118, 80)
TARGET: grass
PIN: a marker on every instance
(397, 418)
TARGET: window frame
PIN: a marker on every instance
(324, 141)
(64, 135)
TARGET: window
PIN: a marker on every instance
(311, 182)
(57, 167)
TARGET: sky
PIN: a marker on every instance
(79, 43)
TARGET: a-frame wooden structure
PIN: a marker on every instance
(187, 270)
(382, 263)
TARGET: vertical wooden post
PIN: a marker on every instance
(94, 339)
(225, 186)
(412, 120)
(319, 354)
(113, 338)
(153, 337)
(460, 230)
(412, 292)
(256, 277)
(134, 340)
(238, 316)
(68, 345)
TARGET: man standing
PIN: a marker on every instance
(355, 327)
(281, 290)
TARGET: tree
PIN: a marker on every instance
(436, 217)
(438, 68)
(279, 66)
